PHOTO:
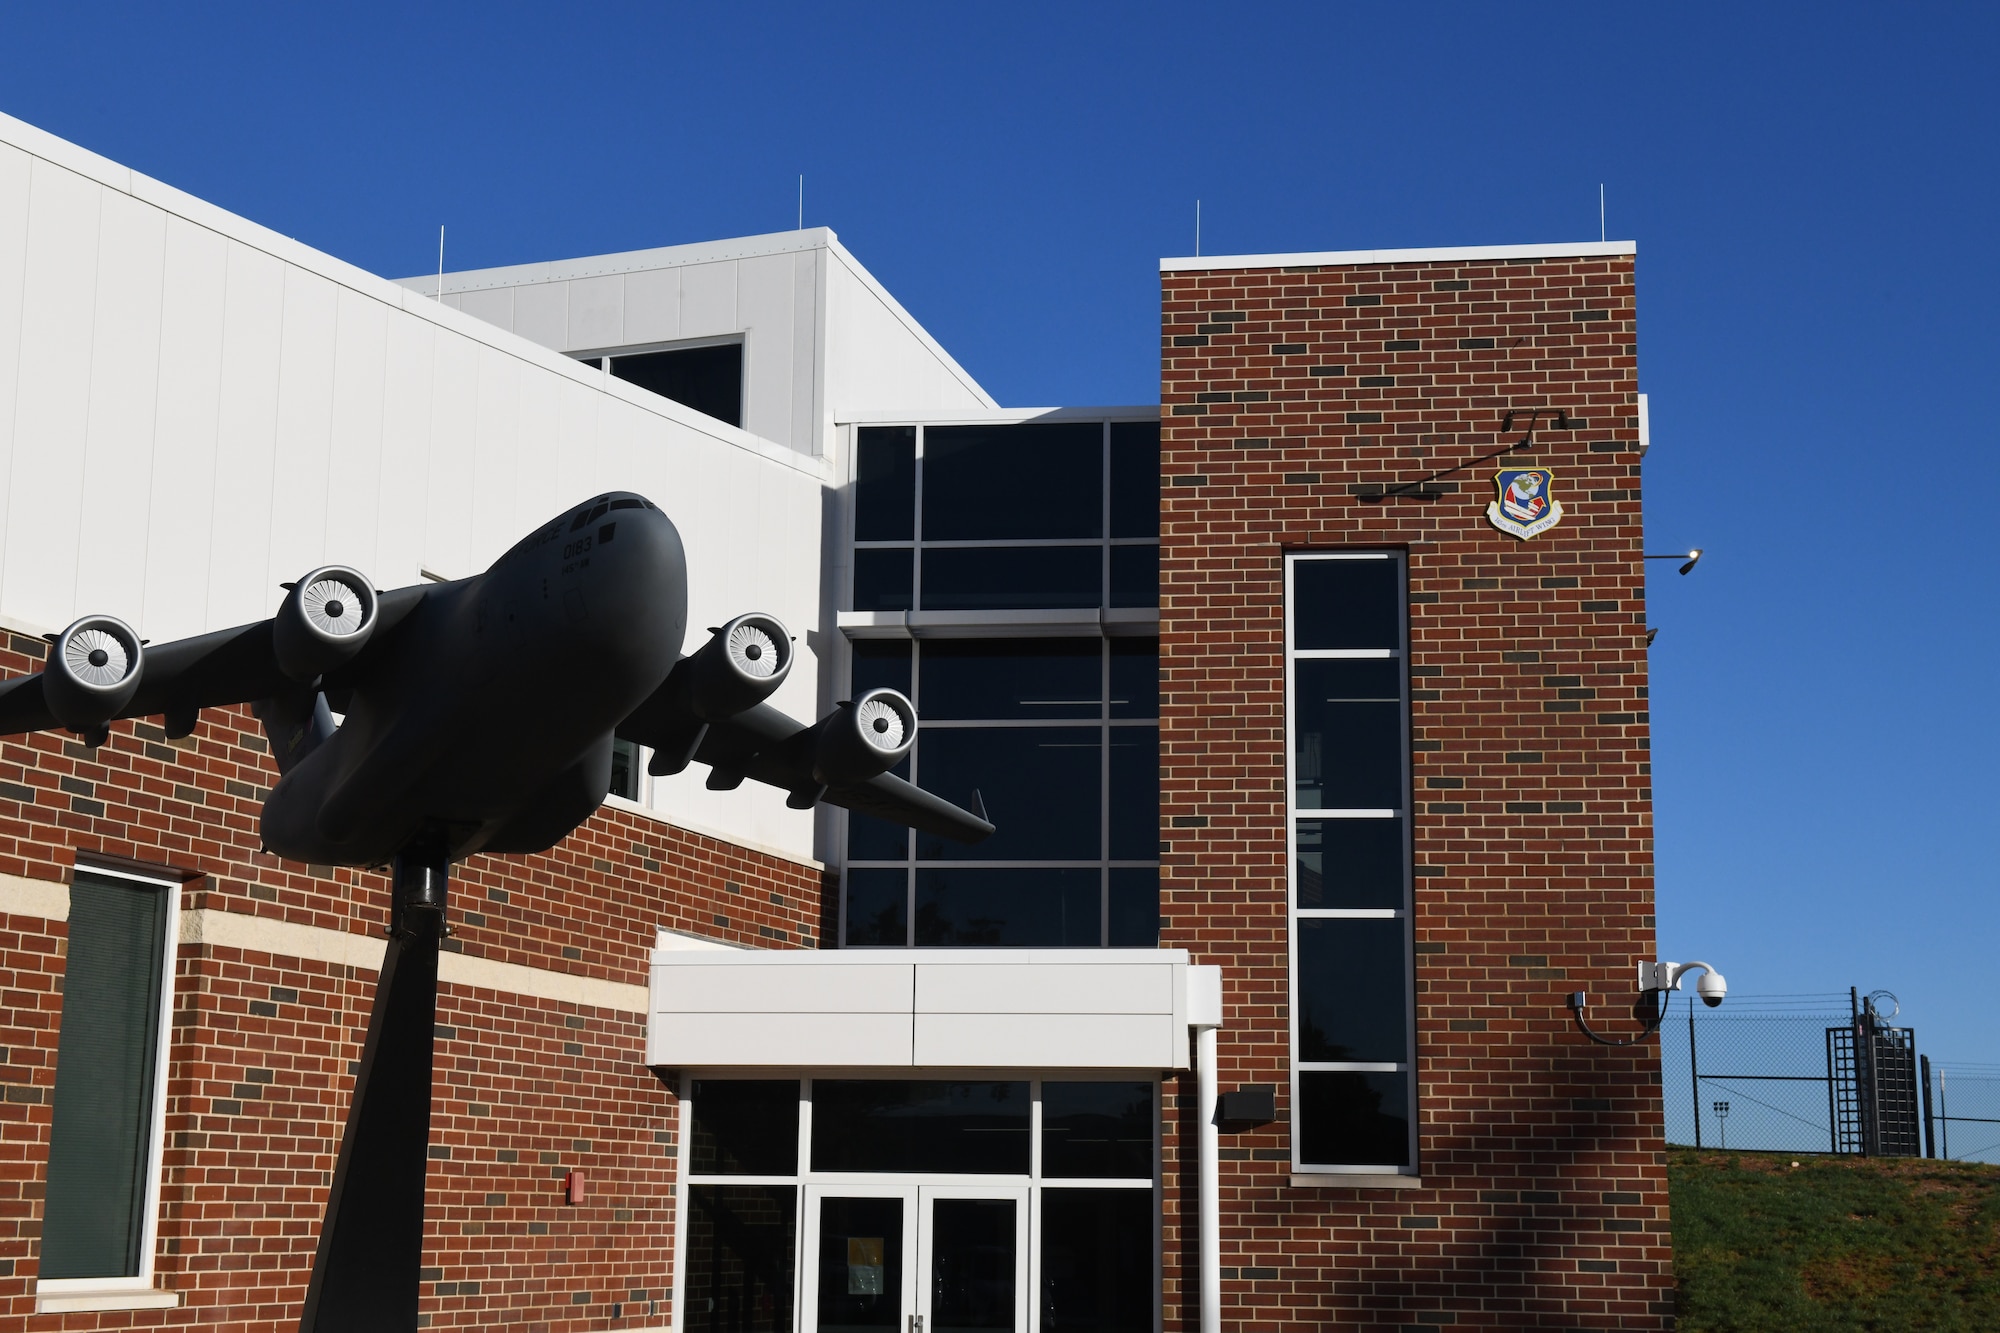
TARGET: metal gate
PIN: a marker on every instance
(1872, 1094)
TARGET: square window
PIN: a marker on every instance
(744, 1127)
(1347, 603)
(878, 906)
(883, 580)
(1097, 1131)
(1354, 1119)
(1351, 863)
(1021, 481)
(1353, 989)
(1040, 787)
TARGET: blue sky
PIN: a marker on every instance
(1812, 189)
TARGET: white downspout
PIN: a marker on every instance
(1205, 1017)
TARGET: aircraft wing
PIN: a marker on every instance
(177, 679)
(773, 748)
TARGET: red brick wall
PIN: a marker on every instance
(261, 1062)
(1287, 395)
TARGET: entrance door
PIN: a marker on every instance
(915, 1259)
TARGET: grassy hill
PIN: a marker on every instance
(1774, 1241)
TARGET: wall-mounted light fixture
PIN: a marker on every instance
(1693, 558)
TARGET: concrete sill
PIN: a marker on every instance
(75, 1302)
(1345, 1181)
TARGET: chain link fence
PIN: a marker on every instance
(1965, 1111)
(1820, 1073)
(1753, 1074)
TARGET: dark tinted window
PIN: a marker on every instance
(1012, 678)
(880, 662)
(869, 1125)
(882, 580)
(1354, 988)
(1135, 907)
(885, 483)
(708, 379)
(745, 1127)
(1135, 576)
(100, 1137)
(972, 1247)
(877, 906)
(1347, 721)
(1354, 1119)
(740, 1243)
(1097, 1261)
(1097, 1131)
(860, 1265)
(1010, 908)
(1135, 793)
(625, 769)
(872, 839)
(1346, 604)
(1350, 862)
(1135, 478)
(1029, 480)
(1135, 678)
(1040, 785)
(998, 578)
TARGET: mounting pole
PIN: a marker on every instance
(366, 1273)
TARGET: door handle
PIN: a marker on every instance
(916, 1323)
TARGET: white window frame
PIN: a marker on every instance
(805, 1180)
(1408, 1065)
(134, 1292)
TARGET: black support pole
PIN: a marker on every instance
(1930, 1128)
(1694, 1073)
(366, 1272)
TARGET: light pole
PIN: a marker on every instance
(1722, 1120)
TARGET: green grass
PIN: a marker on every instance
(1769, 1241)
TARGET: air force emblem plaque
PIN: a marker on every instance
(1526, 505)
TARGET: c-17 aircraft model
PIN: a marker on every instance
(477, 716)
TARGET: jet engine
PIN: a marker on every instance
(742, 664)
(862, 738)
(326, 619)
(92, 674)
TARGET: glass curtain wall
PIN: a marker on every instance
(1353, 1003)
(1086, 1151)
(1055, 738)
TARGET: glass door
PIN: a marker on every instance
(915, 1259)
(860, 1261)
(972, 1257)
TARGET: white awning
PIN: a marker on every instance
(919, 1008)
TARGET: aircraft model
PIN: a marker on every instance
(480, 713)
(478, 716)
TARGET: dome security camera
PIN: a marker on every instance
(1711, 988)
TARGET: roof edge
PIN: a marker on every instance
(1443, 254)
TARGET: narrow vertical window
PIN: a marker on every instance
(1348, 748)
(104, 1140)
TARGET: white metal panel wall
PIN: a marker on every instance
(878, 358)
(927, 1008)
(193, 408)
(819, 332)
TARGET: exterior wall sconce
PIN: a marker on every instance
(1693, 558)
